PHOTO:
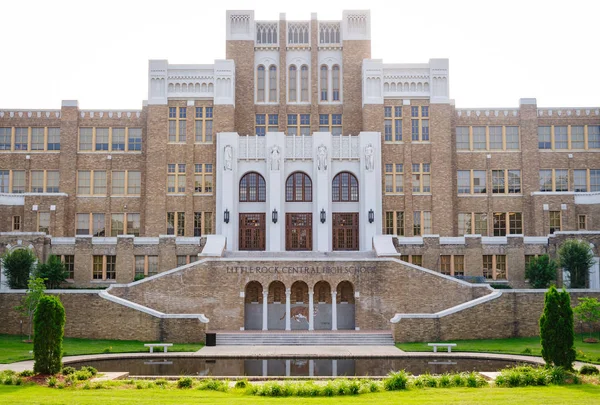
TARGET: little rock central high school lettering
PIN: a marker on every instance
(302, 269)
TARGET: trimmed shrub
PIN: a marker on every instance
(89, 369)
(49, 327)
(396, 381)
(556, 329)
(18, 265)
(589, 370)
(241, 383)
(26, 373)
(82, 375)
(68, 370)
(185, 382)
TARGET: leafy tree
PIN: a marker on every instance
(588, 312)
(53, 271)
(49, 328)
(556, 329)
(18, 265)
(541, 272)
(35, 291)
(576, 258)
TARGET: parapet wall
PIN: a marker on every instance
(515, 313)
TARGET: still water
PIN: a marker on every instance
(321, 367)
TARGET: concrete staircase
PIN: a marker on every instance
(305, 338)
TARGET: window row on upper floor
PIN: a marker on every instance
(40, 181)
(202, 120)
(297, 124)
(110, 139)
(419, 123)
(298, 84)
(29, 139)
(298, 188)
(569, 137)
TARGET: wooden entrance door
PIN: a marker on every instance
(252, 231)
(345, 231)
(298, 231)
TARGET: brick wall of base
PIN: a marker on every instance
(93, 317)
(513, 314)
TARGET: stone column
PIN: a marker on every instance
(265, 310)
(334, 310)
(288, 367)
(311, 368)
(288, 293)
(311, 310)
(334, 368)
(265, 368)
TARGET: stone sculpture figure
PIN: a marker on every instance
(228, 157)
(369, 157)
(322, 157)
(275, 157)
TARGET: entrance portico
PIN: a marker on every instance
(266, 310)
(312, 193)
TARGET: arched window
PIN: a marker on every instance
(345, 187)
(253, 188)
(335, 79)
(304, 83)
(272, 83)
(292, 84)
(324, 83)
(260, 84)
(298, 187)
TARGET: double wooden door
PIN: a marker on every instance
(298, 231)
(252, 231)
(345, 231)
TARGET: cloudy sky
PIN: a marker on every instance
(97, 52)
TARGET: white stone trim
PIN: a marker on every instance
(384, 245)
(149, 311)
(449, 311)
(215, 246)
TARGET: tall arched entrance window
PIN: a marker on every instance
(344, 189)
(298, 225)
(252, 233)
(253, 308)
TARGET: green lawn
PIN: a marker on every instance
(12, 347)
(559, 395)
(588, 352)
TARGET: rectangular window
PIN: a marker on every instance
(111, 268)
(176, 223)
(134, 182)
(16, 223)
(479, 182)
(421, 178)
(544, 138)
(462, 138)
(481, 224)
(472, 223)
(581, 222)
(495, 133)
(69, 262)
(5, 138)
(133, 224)
(52, 181)
(118, 183)
(561, 140)
(204, 124)
(117, 224)
(177, 124)
(594, 180)
(422, 223)
(555, 223)
(197, 224)
(479, 141)
(37, 139)
(101, 139)
(98, 225)
(134, 139)
(580, 181)
(394, 223)
(118, 139)
(394, 178)
(515, 223)
(464, 181)
(176, 178)
(85, 139)
(53, 138)
(498, 182)
(208, 223)
(499, 223)
(298, 124)
(182, 260)
(445, 264)
(514, 181)
(21, 138)
(593, 137)
(330, 123)
(99, 185)
(18, 185)
(452, 265)
(140, 266)
(494, 267)
(577, 137)
(546, 180)
(4, 181)
(83, 224)
(37, 181)
(512, 138)
(203, 178)
(98, 267)
(43, 222)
